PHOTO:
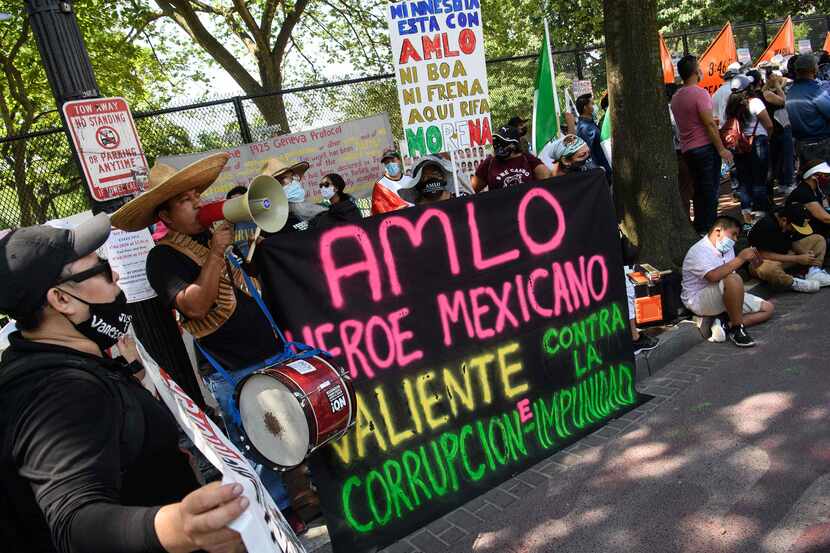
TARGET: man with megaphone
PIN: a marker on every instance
(189, 272)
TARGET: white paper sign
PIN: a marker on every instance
(127, 253)
(744, 55)
(262, 526)
(804, 46)
(581, 88)
(438, 52)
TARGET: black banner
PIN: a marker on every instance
(482, 334)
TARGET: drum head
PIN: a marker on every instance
(274, 421)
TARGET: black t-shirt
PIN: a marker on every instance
(766, 235)
(245, 338)
(67, 483)
(803, 194)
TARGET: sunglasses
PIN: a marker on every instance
(102, 267)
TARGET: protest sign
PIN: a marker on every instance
(438, 52)
(716, 59)
(127, 254)
(262, 526)
(103, 132)
(351, 149)
(582, 88)
(783, 44)
(744, 56)
(804, 46)
(481, 333)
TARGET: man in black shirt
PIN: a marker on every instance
(810, 194)
(787, 244)
(87, 455)
(189, 272)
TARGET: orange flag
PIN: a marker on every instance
(826, 47)
(665, 60)
(783, 43)
(716, 59)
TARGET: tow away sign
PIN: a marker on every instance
(104, 134)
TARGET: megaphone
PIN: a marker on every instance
(264, 204)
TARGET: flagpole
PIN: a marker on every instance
(552, 76)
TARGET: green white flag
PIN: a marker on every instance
(605, 136)
(545, 100)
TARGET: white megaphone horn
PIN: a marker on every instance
(264, 204)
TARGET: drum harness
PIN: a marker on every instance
(291, 350)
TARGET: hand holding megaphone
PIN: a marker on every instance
(265, 204)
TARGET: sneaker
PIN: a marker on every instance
(808, 286)
(739, 337)
(644, 343)
(818, 275)
(718, 332)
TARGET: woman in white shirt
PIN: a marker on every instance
(747, 107)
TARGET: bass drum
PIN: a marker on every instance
(291, 409)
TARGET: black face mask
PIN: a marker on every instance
(502, 150)
(107, 321)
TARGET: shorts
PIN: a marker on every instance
(709, 302)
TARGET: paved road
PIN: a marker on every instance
(733, 456)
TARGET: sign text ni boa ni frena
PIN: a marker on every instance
(438, 51)
(482, 334)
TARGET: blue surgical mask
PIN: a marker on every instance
(294, 191)
(393, 168)
(327, 192)
(725, 244)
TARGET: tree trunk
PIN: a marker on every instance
(272, 109)
(645, 163)
(25, 193)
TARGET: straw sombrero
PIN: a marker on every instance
(166, 182)
(275, 166)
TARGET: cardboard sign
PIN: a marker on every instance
(482, 334)
(783, 43)
(804, 46)
(262, 525)
(717, 58)
(744, 55)
(104, 135)
(582, 88)
(352, 149)
(438, 52)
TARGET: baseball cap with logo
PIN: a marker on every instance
(32, 258)
(390, 153)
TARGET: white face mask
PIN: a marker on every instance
(294, 191)
(327, 192)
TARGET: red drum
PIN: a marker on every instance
(290, 410)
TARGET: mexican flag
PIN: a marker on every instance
(606, 136)
(545, 99)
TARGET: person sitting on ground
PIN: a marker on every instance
(509, 166)
(810, 193)
(569, 154)
(343, 209)
(711, 286)
(91, 460)
(786, 243)
(434, 181)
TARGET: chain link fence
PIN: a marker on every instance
(40, 181)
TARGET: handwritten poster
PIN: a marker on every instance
(438, 51)
(351, 149)
(481, 333)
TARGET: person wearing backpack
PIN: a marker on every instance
(746, 132)
(89, 459)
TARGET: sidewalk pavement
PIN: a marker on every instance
(732, 455)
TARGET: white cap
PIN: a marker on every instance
(820, 168)
(734, 66)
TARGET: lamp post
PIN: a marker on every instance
(71, 77)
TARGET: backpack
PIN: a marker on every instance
(733, 137)
(34, 365)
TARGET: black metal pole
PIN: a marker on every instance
(244, 129)
(71, 77)
(764, 36)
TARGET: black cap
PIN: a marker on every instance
(32, 258)
(508, 134)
